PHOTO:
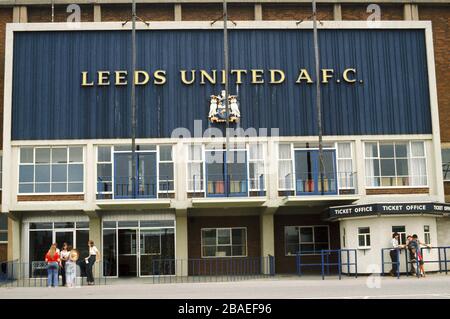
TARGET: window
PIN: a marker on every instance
(426, 234)
(446, 163)
(401, 230)
(256, 167)
(363, 237)
(51, 170)
(3, 228)
(345, 166)
(395, 164)
(104, 170)
(224, 242)
(195, 168)
(306, 239)
(285, 169)
(165, 162)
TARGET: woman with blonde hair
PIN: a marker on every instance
(52, 259)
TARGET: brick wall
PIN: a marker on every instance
(359, 12)
(286, 264)
(382, 191)
(147, 12)
(3, 252)
(447, 191)
(6, 16)
(44, 13)
(295, 12)
(440, 18)
(44, 198)
(210, 12)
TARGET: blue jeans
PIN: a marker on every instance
(52, 272)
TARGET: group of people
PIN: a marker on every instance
(65, 261)
(412, 245)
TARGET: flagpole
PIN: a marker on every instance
(226, 67)
(133, 98)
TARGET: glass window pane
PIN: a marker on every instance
(398, 229)
(195, 152)
(223, 251)
(402, 167)
(209, 237)
(64, 225)
(41, 226)
(42, 155)
(238, 236)
(284, 151)
(209, 251)
(368, 240)
(59, 172)
(25, 188)
(3, 236)
(26, 155)
(59, 187)
(75, 173)
(344, 150)
(386, 150)
(321, 234)
(109, 224)
(256, 151)
(42, 173)
(104, 172)
(307, 248)
(238, 250)
(361, 241)
(26, 174)
(401, 150)
(364, 230)
(417, 149)
(223, 236)
(75, 187)
(109, 252)
(165, 152)
(59, 155)
(82, 224)
(371, 149)
(76, 154)
(426, 228)
(104, 154)
(306, 235)
(387, 167)
(42, 188)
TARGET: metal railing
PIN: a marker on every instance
(443, 256)
(230, 185)
(307, 183)
(327, 257)
(34, 274)
(145, 186)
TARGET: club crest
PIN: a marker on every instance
(218, 112)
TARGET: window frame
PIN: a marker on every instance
(445, 177)
(201, 161)
(50, 163)
(111, 162)
(400, 233)
(256, 162)
(427, 234)
(158, 162)
(365, 236)
(315, 253)
(227, 245)
(408, 158)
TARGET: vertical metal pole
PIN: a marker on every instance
(133, 98)
(53, 10)
(318, 95)
(226, 67)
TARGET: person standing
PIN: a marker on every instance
(417, 244)
(65, 252)
(94, 256)
(71, 268)
(412, 255)
(394, 253)
(52, 259)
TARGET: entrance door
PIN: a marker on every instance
(64, 236)
(128, 245)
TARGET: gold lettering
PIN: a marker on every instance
(238, 75)
(273, 74)
(84, 79)
(103, 77)
(327, 74)
(204, 74)
(121, 77)
(345, 75)
(257, 76)
(183, 77)
(160, 77)
(137, 75)
(304, 75)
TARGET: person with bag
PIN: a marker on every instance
(52, 259)
(94, 256)
(71, 268)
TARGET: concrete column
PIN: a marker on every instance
(97, 13)
(267, 235)
(410, 11)
(20, 14)
(14, 238)
(358, 167)
(95, 234)
(337, 12)
(90, 177)
(181, 242)
(180, 166)
(258, 12)
(272, 170)
(177, 12)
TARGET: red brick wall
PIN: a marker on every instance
(147, 12)
(6, 16)
(286, 264)
(295, 12)
(3, 252)
(44, 198)
(210, 12)
(359, 12)
(447, 191)
(44, 13)
(440, 18)
(382, 191)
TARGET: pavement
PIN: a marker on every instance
(434, 286)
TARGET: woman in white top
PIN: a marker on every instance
(64, 255)
(394, 254)
(94, 256)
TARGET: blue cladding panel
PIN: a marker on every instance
(49, 102)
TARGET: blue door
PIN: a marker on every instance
(307, 172)
(145, 185)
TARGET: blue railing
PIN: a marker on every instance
(145, 186)
(443, 256)
(232, 185)
(325, 263)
